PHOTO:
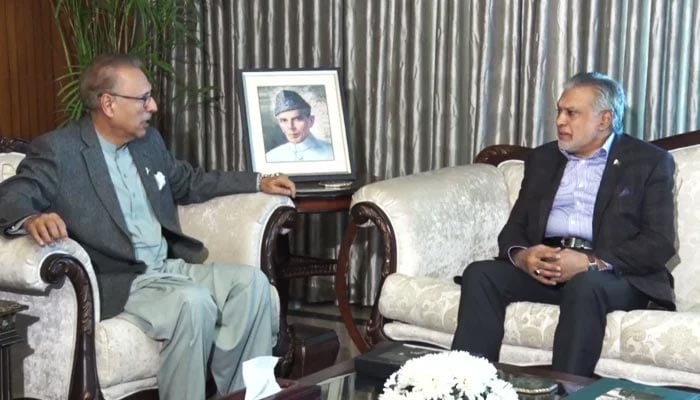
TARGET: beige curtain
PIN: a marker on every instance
(429, 83)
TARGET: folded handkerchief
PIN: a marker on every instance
(160, 180)
(259, 377)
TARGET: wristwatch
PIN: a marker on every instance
(260, 177)
(592, 263)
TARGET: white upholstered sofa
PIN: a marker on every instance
(434, 224)
(69, 352)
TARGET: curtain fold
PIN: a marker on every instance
(429, 83)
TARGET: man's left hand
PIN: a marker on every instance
(278, 185)
(571, 262)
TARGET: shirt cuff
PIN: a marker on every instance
(608, 266)
(510, 253)
(18, 227)
(258, 179)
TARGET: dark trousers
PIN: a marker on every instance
(584, 301)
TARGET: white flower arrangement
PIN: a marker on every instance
(447, 376)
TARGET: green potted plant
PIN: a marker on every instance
(148, 29)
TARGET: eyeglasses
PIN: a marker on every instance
(144, 98)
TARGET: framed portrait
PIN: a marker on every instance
(294, 122)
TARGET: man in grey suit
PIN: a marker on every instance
(591, 231)
(109, 182)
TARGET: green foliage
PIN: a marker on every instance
(147, 29)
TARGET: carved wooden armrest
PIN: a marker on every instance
(84, 383)
(10, 144)
(496, 154)
(279, 223)
(361, 214)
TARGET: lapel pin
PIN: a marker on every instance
(148, 171)
(616, 162)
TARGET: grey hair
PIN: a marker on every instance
(609, 94)
(99, 77)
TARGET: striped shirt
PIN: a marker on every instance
(572, 210)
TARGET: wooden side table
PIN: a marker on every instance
(290, 266)
(300, 266)
(8, 337)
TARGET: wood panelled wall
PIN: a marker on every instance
(31, 59)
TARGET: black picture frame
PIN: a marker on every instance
(324, 154)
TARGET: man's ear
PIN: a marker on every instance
(107, 105)
(312, 119)
(606, 120)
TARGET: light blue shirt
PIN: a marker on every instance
(144, 229)
(572, 210)
(311, 149)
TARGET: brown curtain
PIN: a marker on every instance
(429, 83)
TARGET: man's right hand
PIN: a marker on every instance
(280, 184)
(46, 228)
(541, 262)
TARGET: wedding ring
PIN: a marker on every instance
(537, 272)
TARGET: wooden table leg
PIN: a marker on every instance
(8, 337)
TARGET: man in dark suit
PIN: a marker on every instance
(109, 182)
(591, 231)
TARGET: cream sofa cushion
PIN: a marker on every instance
(422, 301)
(433, 304)
(646, 373)
(405, 332)
(663, 339)
(532, 325)
(125, 354)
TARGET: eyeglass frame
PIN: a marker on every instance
(145, 98)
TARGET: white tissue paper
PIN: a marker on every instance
(259, 377)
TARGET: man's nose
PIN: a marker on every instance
(561, 118)
(151, 105)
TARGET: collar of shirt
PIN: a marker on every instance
(574, 203)
(107, 146)
(308, 143)
(602, 152)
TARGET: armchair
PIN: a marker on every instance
(434, 224)
(70, 352)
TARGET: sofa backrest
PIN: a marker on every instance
(468, 215)
(685, 266)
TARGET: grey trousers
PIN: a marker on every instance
(212, 315)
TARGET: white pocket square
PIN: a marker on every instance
(160, 180)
